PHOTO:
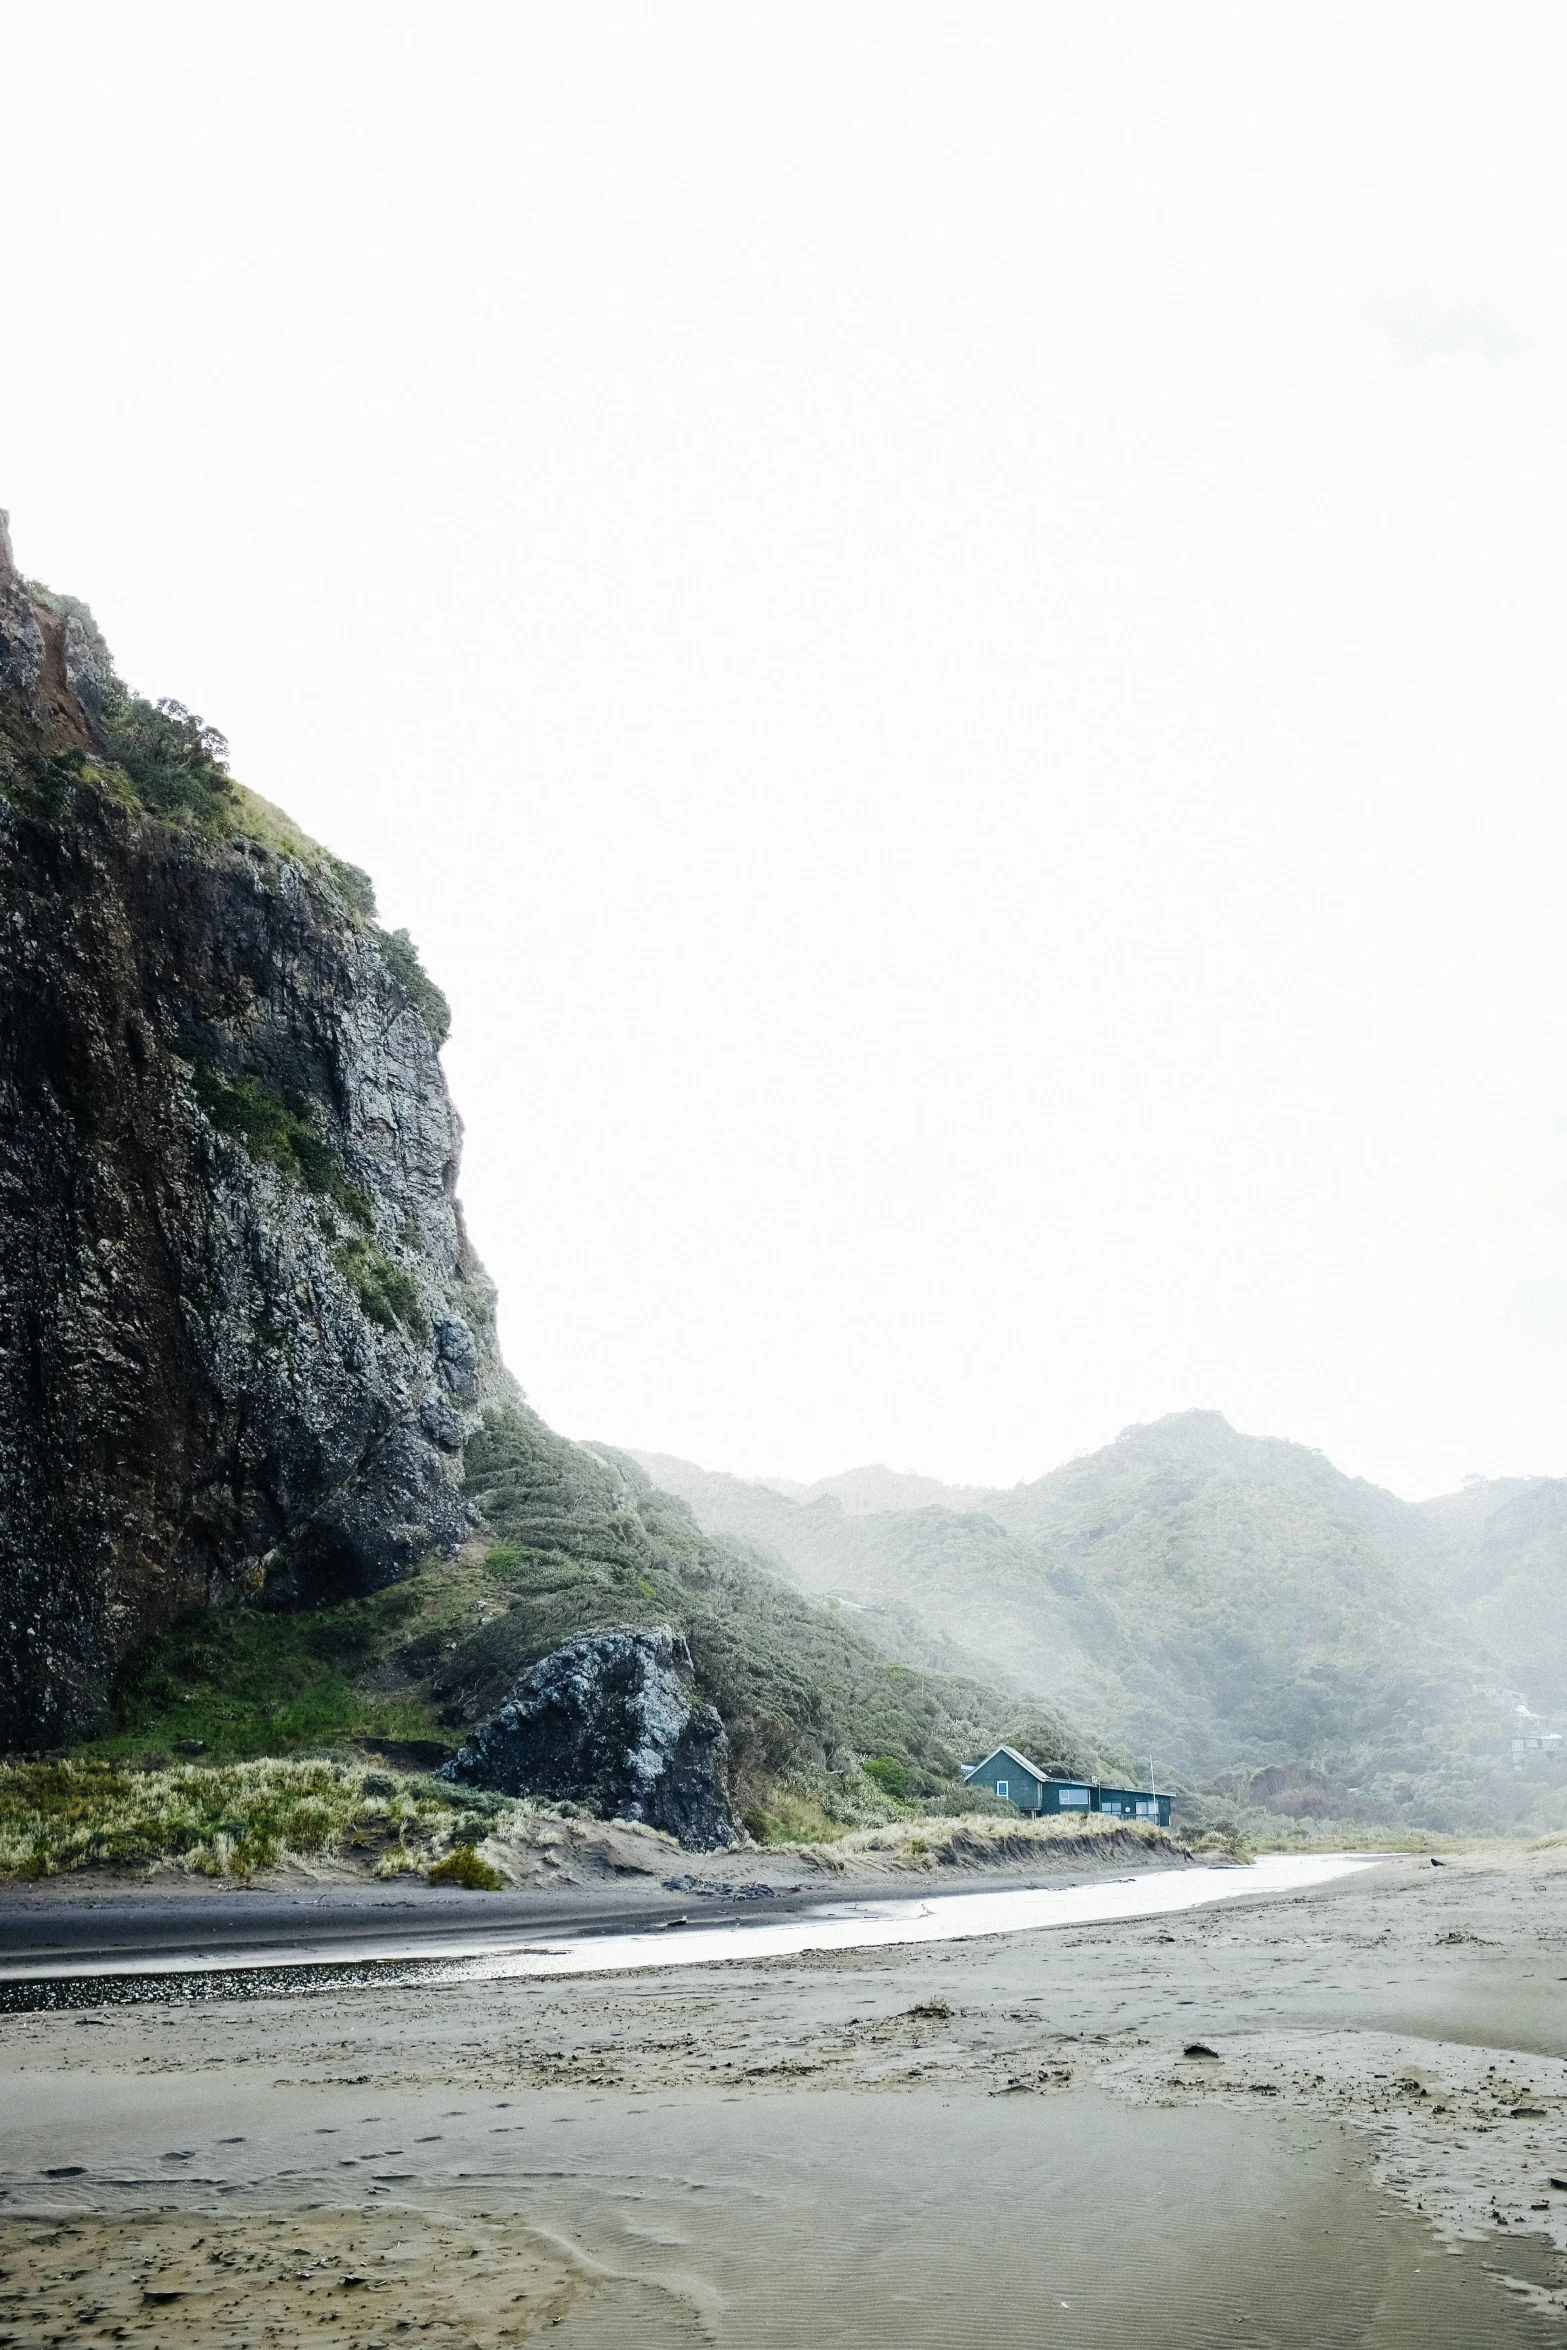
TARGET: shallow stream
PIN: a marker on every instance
(848, 1925)
(941, 1917)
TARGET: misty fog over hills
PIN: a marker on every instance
(1232, 1609)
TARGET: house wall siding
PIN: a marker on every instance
(1031, 1794)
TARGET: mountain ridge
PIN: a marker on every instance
(1236, 1603)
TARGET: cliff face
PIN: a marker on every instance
(242, 1335)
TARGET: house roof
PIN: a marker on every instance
(1052, 1777)
(1036, 1769)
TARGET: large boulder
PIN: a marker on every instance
(610, 1720)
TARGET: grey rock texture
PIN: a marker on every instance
(609, 1720)
(242, 1334)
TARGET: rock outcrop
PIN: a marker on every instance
(242, 1334)
(610, 1721)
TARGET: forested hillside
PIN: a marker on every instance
(1233, 1607)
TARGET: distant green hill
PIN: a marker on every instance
(1501, 1551)
(1234, 1606)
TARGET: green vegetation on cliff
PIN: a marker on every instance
(176, 763)
(241, 1682)
(401, 957)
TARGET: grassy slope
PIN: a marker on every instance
(243, 1684)
(1235, 1604)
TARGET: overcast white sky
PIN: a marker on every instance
(946, 623)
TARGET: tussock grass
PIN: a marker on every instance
(215, 1820)
(980, 1843)
(792, 1815)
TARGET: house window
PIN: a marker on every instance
(1002, 1786)
(1148, 1809)
(1075, 1798)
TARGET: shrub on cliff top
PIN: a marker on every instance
(401, 957)
(177, 764)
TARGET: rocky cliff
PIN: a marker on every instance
(247, 1358)
(242, 1335)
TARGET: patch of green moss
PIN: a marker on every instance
(280, 1134)
(387, 1294)
(242, 1682)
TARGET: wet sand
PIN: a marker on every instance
(910, 2144)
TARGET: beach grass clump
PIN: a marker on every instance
(790, 1816)
(463, 1866)
(216, 1820)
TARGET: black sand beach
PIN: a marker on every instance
(917, 2144)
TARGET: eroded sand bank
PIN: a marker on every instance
(914, 2144)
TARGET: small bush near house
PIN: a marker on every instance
(891, 1775)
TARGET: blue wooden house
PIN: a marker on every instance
(1040, 1791)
